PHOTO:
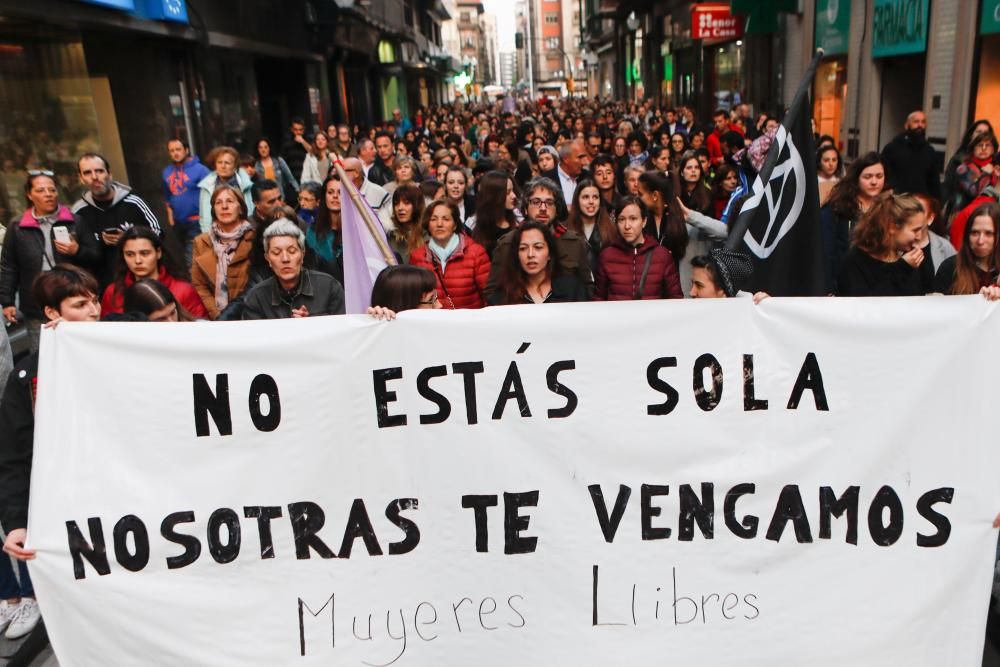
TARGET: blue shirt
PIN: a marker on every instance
(180, 187)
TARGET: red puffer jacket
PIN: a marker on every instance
(463, 281)
(619, 272)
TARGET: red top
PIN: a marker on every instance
(620, 267)
(462, 284)
(183, 291)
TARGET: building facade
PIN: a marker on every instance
(882, 59)
(550, 31)
(881, 63)
(79, 76)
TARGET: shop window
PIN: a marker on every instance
(830, 92)
(727, 84)
(386, 52)
(49, 113)
(988, 93)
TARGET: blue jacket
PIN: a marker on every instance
(207, 187)
(180, 187)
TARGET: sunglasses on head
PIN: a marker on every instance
(40, 172)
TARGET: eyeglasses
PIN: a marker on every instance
(431, 301)
(542, 203)
(40, 172)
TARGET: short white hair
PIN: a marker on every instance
(284, 227)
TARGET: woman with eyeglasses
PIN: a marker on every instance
(403, 287)
(44, 236)
(309, 196)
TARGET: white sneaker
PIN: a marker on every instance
(26, 617)
(8, 611)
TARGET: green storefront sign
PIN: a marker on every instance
(833, 25)
(990, 25)
(899, 27)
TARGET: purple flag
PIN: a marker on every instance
(363, 260)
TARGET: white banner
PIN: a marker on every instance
(804, 482)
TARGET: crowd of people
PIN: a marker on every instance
(530, 202)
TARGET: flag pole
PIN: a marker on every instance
(742, 223)
(366, 213)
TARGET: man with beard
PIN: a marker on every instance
(106, 210)
(911, 162)
(542, 201)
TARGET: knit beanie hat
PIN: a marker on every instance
(733, 269)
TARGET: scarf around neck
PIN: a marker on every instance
(447, 251)
(224, 244)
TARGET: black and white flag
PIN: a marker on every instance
(779, 222)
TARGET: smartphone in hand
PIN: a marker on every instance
(61, 234)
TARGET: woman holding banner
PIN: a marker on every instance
(977, 264)
(64, 293)
(403, 287)
(460, 265)
(140, 254)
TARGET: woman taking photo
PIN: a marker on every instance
(886, 256)
(316, 167)
(977, 264)
(44, 236)
(274, 168)
(590, 219)
(495, 215)
(459, 264)
(407, 209)
(224, 161)
(635, 266)
(531, 274)
(140, 255)
(849, 200)
(323, 239)
(220, 269)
